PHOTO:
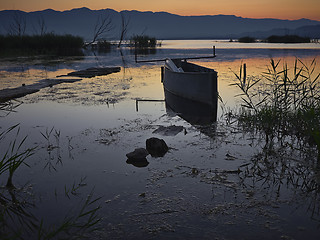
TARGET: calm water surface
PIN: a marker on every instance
(207, 186)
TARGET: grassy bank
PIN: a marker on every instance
(62, 45)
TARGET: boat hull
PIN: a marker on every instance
(196, 84)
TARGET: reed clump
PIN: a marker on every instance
(282, 103)
(143, 41)
(62, 45)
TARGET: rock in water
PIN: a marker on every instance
(156, 147)
(138, 154)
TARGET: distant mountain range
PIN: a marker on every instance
(162, 25)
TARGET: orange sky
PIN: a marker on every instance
(283, 9)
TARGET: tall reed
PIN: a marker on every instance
(283, 102)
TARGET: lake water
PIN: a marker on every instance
(210, 183)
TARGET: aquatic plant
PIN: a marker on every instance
(47, 136)
(143, 45)
(50, 147)
(14, 156)
(75, 187)
(282, 103)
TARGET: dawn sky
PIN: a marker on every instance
(283, 9)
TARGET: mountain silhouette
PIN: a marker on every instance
(162, 25)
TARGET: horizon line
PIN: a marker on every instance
(150, 11)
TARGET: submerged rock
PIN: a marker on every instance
(168, 131)
(156, 147)
(138, 154)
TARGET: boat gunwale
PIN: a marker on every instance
(195, 73)
(195, 68)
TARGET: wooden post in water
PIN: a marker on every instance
(146, 100)
(162, 73)
(244, 73)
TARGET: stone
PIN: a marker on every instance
(168, 131)
(156, 147)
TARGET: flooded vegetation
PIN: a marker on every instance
(251, 170)
(143, 41)
(46, 44)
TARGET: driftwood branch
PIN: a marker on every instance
(124, 28)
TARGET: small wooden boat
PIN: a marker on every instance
(193, 83)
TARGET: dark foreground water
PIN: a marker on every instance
(216, 181)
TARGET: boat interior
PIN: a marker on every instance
(184, 66)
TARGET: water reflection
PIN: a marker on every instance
(9, 107)
(220, 184)
(20, 217)
(26, 213)
(140, 163)
(27, 70)
(143, 51)
(284, 175)
(16, 215)
(194, 112)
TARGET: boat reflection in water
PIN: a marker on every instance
(194, 112)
